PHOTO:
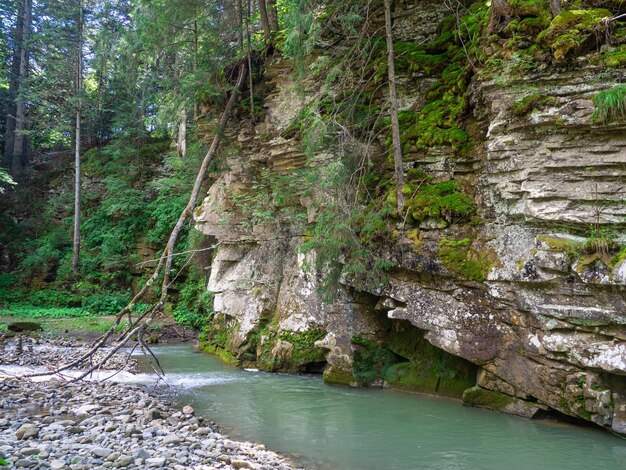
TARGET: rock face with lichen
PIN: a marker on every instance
(516, 304)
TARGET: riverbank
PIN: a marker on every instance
(89, 425)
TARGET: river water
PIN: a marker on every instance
(326, 427)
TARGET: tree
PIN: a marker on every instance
(79, 90)
(16, 142)
(393, 110)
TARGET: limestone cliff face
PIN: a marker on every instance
(545, 331)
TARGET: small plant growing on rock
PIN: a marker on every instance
(610, 105)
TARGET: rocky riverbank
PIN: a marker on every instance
(88, 425)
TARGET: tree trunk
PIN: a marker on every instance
(181, 144)
(393, 110)
(240, 25)
(79, 89)
(265, 22)
(250, 74)
(15, 144)
(272, 15)
(196, 107)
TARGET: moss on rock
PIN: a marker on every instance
(335, 376)
(460, 258)
(572, 29)
(442, 200)
(477, 396)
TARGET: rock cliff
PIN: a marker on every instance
(518, 304)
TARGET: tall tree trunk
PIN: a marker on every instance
(393, 109)
(240, 25)
(196, 107)
(79, 90)
(272, 15)
(16, 112)
(250, 74)
(181, 142)
(265, 22)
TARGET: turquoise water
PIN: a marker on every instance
(321, 426)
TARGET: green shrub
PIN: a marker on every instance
(194, 308)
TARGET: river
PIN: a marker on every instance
(327, 427)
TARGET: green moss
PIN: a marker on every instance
(619, 258)
(338, 376)
(583, 413)
(219, 352)
(304, 350)
(477, 396)
(615, 57)
(570, 31)
(535, 101)
(441, 200)
(458, 257)
(569, 247)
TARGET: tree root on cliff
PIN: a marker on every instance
(137, 326)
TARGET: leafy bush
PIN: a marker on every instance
(195, 304)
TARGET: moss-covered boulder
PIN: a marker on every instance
(482, 398)
(24, 327)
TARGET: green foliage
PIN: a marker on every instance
(344, 239)
(5, 178)
(304, 350)
(29, 311)
(459, 258)
(302, 32)
(610, 105)
(195, 304)
(370, 360)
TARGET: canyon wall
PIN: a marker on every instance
(542, 331)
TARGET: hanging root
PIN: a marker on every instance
(137, 326)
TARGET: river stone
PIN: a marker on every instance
(101, 452)
(124, 461)
(26, 431)
(25, 463)
(57, 464)
(242, 464)
(171, 439)
(29, 451)
(155, 462)
(188, 410)
(86, 409)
